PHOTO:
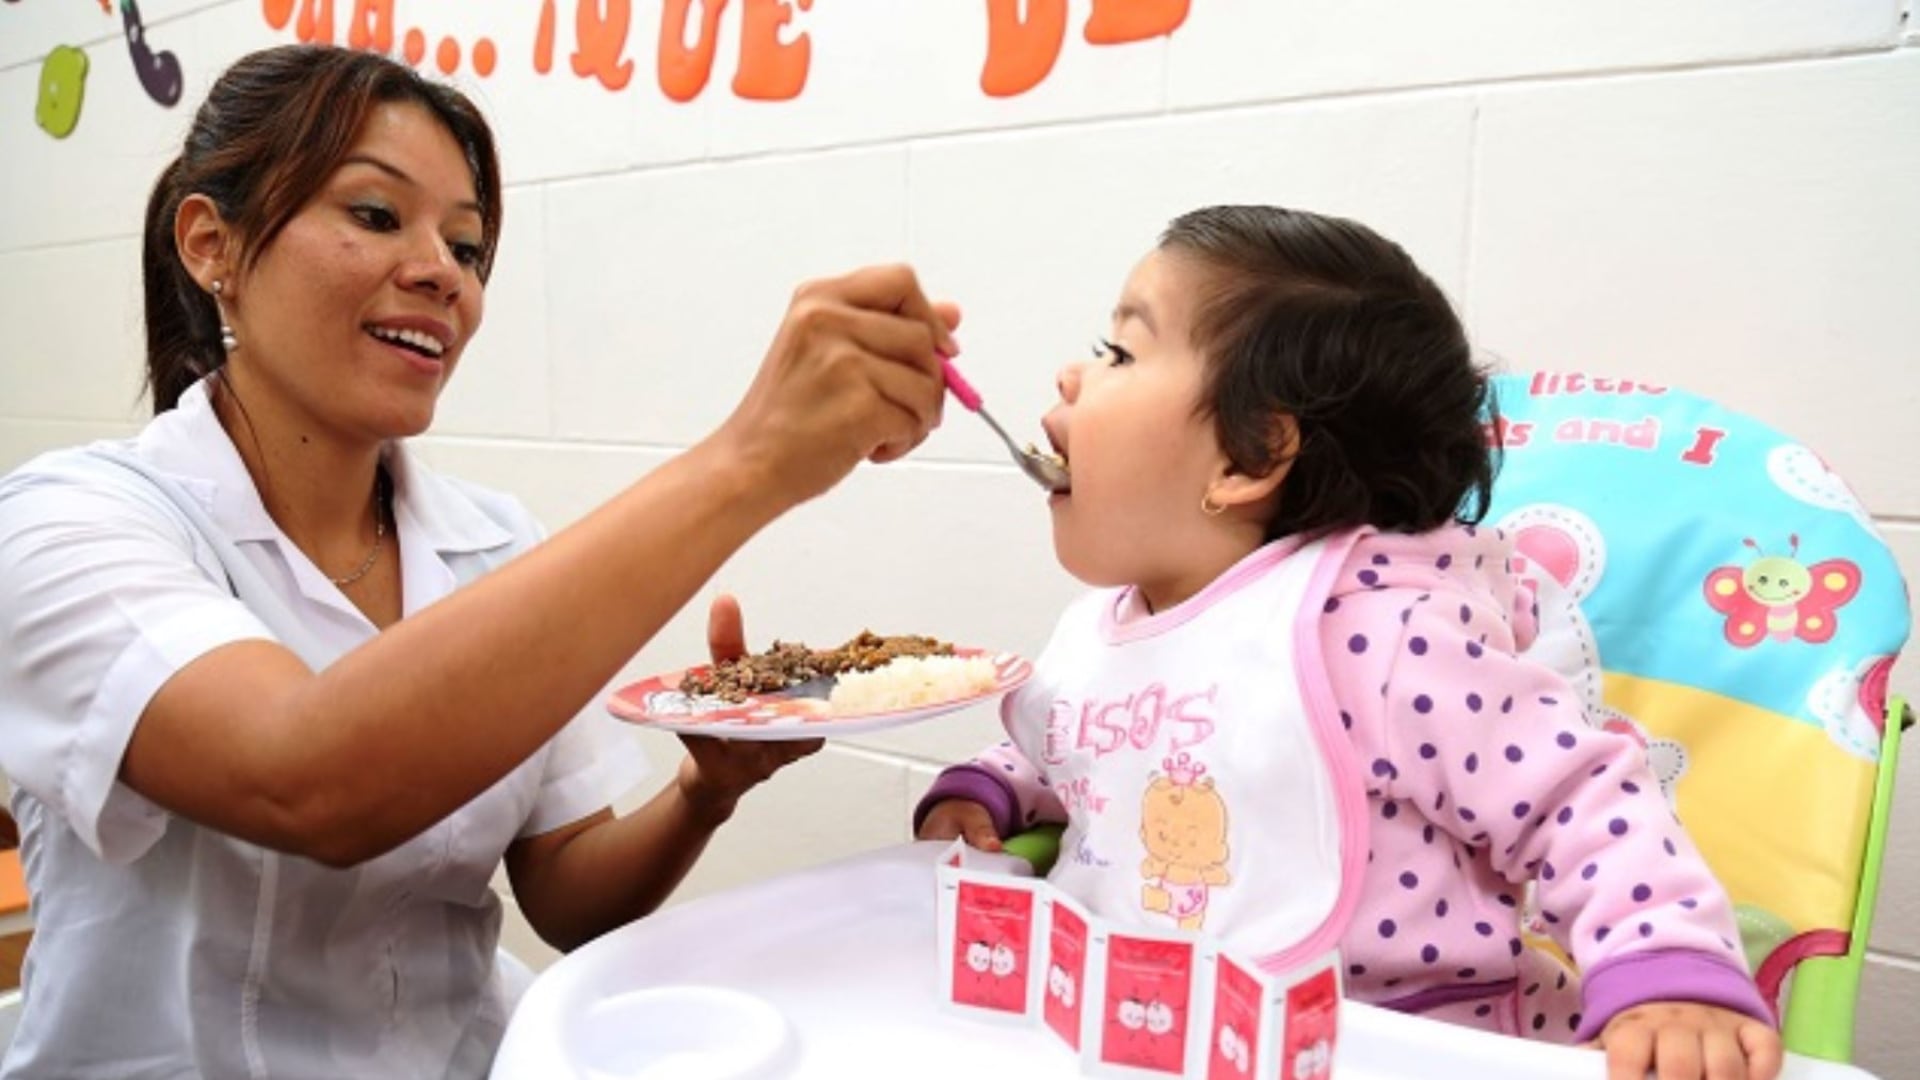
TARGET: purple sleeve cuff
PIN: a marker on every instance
(1617, 985)
(975, 784)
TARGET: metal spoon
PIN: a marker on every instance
(1047, 470)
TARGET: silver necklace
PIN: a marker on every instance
(379, 534)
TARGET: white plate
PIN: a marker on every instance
(803, 713)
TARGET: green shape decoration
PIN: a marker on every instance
(63, 83)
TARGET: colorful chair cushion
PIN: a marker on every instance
(1734, 609)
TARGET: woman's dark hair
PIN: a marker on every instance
(1323, 322)
(268, 137)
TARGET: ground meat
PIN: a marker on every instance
(790, 664)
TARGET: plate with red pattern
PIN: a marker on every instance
(910, 690)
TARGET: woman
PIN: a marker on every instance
(268, 750)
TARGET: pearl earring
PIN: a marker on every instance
(227, 340)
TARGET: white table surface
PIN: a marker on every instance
(845, 953)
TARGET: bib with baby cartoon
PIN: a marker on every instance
(1208, 783)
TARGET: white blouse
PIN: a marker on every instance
(164, 949)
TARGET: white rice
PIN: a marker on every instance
(910, 681)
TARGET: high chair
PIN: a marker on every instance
(1723, 598)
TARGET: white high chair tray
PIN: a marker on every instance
(844, 953)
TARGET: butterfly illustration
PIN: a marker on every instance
(1776, 596)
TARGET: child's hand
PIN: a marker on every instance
(961, 817)
(1684, 1040)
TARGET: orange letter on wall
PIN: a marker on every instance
(1116, 22)
(276, 11)
(543, 40)
(598, 40)
(683, 71)
(1020, 52)
(372, 26)
(316, 22)
(770, 69)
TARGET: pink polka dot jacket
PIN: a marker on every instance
(1483, 781)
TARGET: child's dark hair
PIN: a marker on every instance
(270, 134)
(1325, 322)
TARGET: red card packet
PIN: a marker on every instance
(1068, 939)
(1283, 1026)
(992, 940)
(1147, 990)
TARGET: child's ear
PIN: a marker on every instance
(1232, 487)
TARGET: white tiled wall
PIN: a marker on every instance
(1719, 194)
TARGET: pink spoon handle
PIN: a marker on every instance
(961, 388)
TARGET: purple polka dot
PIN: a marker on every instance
(1426, 834)
(1689, 903)
(1391, 983)
(1565, 815)
(1390, 811)
(1514, 753)
(1565, 740)
(1642, 893)
(1539, 1021)
(1422, 704)
(1668, 844)
(1573, 1022)
(1007, 766)
(1474, 650)
(1586, 873)
(1473, 702)
(1428, 751)
(1409, 880)
(1465, 813)
(1406, 615)
(1726, 944)
(1522, 809)
(1473, 762)
(1629, 787)
(1430, 953)
(1506, 900)
(1418, 646)
(1368, 577)
(1546, 700)
(1483, 1010)
(1646, 929)
(1466, 973)
(1466, 614)
(1506, 706)
(1346, 719)
(1483, 929)
(1357, 643)
(1513, 946)
(1618, 826)
(1532, 989)
(1550, 916)
(1332, 605)
(1387, 928)
(1440, 908)
(1443, 562)
(1601, 934)
(1382, 767)
(1356, 969)
(1601, 768)
(1440, 802)
(1380, 560)
(1546, 871)
(1560, 983)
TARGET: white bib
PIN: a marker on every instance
(1209, 783)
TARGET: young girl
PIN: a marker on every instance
(1297, 714)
